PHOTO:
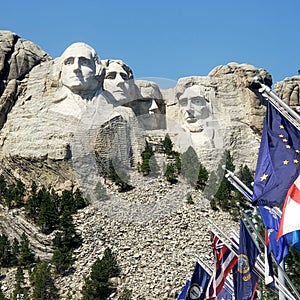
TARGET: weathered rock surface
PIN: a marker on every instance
(14, 223)
(156, 234)
(232, 120)
(43, 141)
(17, 58)
(288, 91)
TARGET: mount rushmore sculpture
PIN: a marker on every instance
(64, 119)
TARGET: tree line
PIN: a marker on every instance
(51, 212)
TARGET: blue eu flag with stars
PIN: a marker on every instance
(278, 161)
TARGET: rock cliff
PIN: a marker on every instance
(59, 139)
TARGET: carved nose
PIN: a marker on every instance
(119, 80)
(190, 111)
(76, 66)
(188, 106)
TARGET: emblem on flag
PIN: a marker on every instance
(243, 267)
(195, 291)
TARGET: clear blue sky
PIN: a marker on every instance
(166, 38)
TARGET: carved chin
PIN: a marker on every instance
(195, 127)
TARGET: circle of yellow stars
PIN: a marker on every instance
(285, 162)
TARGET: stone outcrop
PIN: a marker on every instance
(17, 58)
(14, 223)
(230, 114)
(288, 91)
(43, 140)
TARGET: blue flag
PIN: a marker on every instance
(278, 163)
(199, 282)
(245, 275)
(293, 238)
(280, 248)
(182, 295)
(269, 272)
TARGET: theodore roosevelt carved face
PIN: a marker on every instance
(80, 68)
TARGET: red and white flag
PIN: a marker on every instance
(224, 260)
(290, 219)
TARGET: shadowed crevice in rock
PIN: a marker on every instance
(17, 58)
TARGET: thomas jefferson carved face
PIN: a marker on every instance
(79, 68)
(119, 81)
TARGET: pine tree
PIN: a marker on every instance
(178, 164)
(62, 259)
(223, 196)
(65, 241)
(170, 173)
(33, 203)
(228, 161)
(97, 285)
(9, 196)
(168, 145)
(15, 251)
(79, 200)
(3, 188)
(43, 283)
(20, 288)
(109, 261)
(67, 202)
(202, 178)
(190, 166)
(19, 193)
(5, 251)
(48, 217)
(144, 167)
(14, 194)
(26, 256)
(246, 177)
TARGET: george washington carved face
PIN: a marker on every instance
(80, 67)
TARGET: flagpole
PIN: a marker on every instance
(282, 289)
(282, 277)
(233, 246)
(273, 98)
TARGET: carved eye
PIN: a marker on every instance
(183, 102)
(197, 101)
(111, 75)
(69, 61)
(124, 76)
(85, 61)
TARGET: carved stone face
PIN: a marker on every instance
(192, 105)
(79, 68)
(119, 82)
